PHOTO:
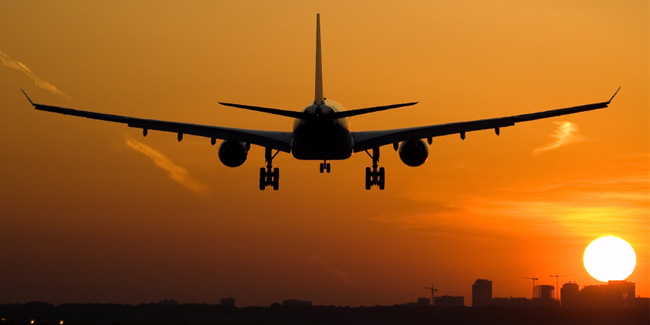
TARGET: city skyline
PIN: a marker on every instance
(93, 212)
(615, 293)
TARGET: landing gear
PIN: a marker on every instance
(269, 176)
(325, 167)
(376, 175)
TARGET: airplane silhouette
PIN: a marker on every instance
(321, 132)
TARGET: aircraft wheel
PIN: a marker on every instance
(327, 167)
(381, 178)
(368, 178)
(276, 179)
(262, 178)
(322, 168)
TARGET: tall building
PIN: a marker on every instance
(544, 292)
(613, 294)
(570, 294)
(481, 293)
(623, 292)
(618, 294)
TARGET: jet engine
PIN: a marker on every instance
(233, 153)
(413, 152)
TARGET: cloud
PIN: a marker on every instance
(17, 65)
(337, 273)
(175, 172)
(565, 133)
(549, 210)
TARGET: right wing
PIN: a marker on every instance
(270, 139)
(365, 140)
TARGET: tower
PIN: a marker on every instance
(570, 294)
(481, 293)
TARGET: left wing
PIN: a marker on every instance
(373, 139)
(271, 139)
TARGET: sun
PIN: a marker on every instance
(609, 258)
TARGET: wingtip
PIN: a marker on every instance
(29, 99)
(610, 100)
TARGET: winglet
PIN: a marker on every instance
(610, 100)
(30, 101)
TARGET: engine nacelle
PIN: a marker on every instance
(233, 153)
(413, 152)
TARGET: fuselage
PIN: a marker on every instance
(319, 137)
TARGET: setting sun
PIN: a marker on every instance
(609, 258)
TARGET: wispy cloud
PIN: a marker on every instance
(175, 172)
(553, 210)
(17, 65)
(565, 133)
(337, 273)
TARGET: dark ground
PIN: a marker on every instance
(150, 314)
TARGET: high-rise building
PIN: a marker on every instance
(622, 292)
(618, 294)
(481, 293)
(570, 294)
(544, 292)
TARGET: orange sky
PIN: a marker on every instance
(93, 212)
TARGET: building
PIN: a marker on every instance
(511, 302)
(449, 301)
(296, 303)
(481, 293)
(228, 302)
(168, 302)
(570, 294)
(544, 292)
(613, 294)
(424, 302)
(622, 292)
(617, 294)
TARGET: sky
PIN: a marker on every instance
(93, 211)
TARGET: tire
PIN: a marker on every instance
(262, 179)
(381, 178)
(368, 178)
(276, 179)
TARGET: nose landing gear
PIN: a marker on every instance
(376, 175)
(325, 167)
(269, 176)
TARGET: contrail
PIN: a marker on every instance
(17, 65)
(566, 133)
(175, 172)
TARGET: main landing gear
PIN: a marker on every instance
(325, 167)
(375, 176)
(269, 176)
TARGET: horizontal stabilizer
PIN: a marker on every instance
(274, 111)
(303, 115)
(360, 111)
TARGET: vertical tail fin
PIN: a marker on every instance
(319, 66)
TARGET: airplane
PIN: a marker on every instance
(321, 132)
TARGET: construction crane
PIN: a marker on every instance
(433, 290)
(534, 279)
(557, 284)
